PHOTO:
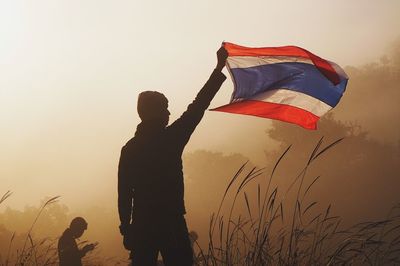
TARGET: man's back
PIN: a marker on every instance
(152, 162)
(68, 252)
(150, 168)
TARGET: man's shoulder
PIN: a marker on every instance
(66, 238)
(132, 147)
(129, 144)
(66, 234)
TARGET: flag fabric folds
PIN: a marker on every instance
(286, 83)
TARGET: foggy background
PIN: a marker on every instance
(71, 72)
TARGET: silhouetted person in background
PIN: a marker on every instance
(150, 177)
(68, 252)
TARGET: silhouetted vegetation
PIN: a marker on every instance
(277, 223)
(278, 229)
(362, 170)
(372, 96)
(30, 237)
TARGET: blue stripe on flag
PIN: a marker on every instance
(301, 77)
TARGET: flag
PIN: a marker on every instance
(286, 83)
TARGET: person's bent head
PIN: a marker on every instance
(78, 226)
(152, 106)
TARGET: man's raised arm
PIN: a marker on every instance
(185, 125)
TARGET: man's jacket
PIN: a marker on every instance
(150, 177)
(68, 252)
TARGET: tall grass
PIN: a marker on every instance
(277, 227)
(5, 196)
(279, 232)
(35, 253)
(43, 252)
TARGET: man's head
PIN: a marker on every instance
(153, 106)
(78, 226)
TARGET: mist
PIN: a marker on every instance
(359, 176)
(72, 71)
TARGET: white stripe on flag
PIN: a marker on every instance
(293, 98)
(251, 61)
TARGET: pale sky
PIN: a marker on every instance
(71, 71)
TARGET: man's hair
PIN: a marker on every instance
(78, 222)
(150, 104)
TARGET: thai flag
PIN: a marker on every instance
(286, 83)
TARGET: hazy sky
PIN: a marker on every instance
(71, 71)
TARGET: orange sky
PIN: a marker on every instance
(71, 71)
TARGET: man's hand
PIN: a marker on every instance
(88, 248)
(125, 230)
(222, 55)
(127, 242)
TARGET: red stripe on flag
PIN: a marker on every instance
(281, 112)
(324, 66)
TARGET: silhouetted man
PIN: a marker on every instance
(68, 252)
(150, 178)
